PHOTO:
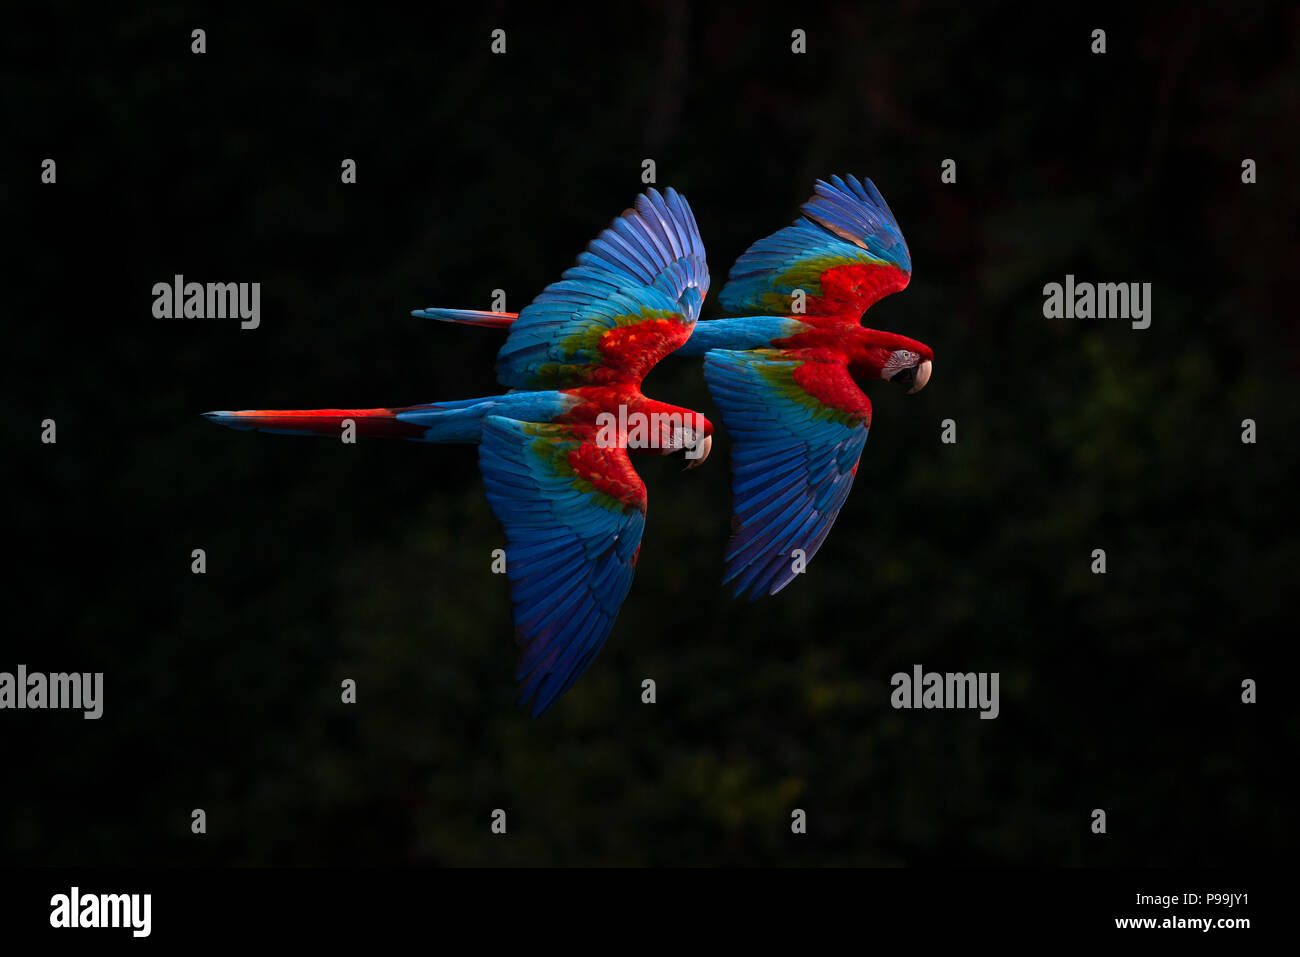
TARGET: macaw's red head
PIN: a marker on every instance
(896, 358)
(695, 438)
(681, 430)
(647, 426)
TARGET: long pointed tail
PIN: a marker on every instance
(453, 421)
(469, 317)
(366, 422)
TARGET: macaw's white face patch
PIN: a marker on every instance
(899, 360)
(904, 365)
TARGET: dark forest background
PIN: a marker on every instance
(371, 562)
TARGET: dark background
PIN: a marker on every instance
(371, 562)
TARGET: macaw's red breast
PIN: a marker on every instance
(822, 333)
(597, 400)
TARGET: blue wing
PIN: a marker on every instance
(845, 252)
(798, 424)
(630, 300)
(573, 515)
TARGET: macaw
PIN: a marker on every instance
(553, 451)
(787, 372)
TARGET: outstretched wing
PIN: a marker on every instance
(631, 300)
(845, 252)
(798, 423)
(573, 515)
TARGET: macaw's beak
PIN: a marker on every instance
(698, 453)
(920, 376)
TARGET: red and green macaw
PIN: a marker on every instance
(787, 372)
(553, 451)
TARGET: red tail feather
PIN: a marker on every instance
(368, 422)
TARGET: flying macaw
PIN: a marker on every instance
(553, 451)
(788, 381)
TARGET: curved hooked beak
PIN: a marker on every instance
(922, 376)
(698, 453)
